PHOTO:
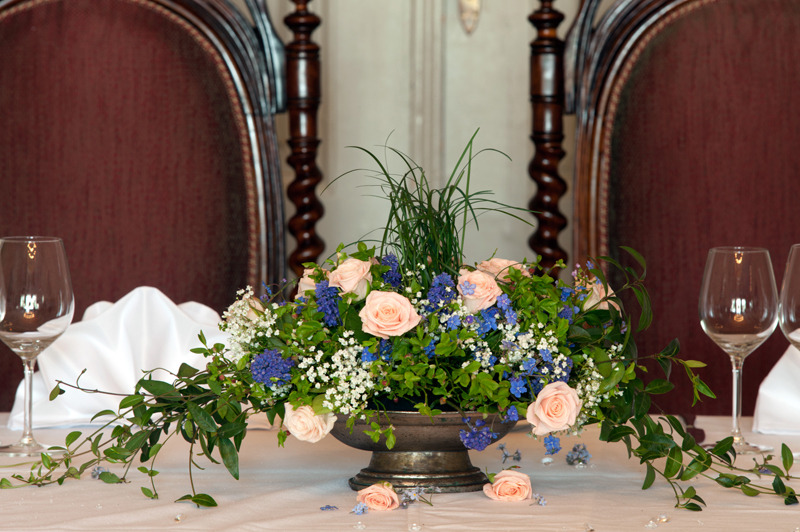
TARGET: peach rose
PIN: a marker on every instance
(253, 303)
(498, 268)
(556, 408)
(379, 497)
(598, 293)
(481, 291)
(306, 283)
(352, 276)
(509, 485)
(388, 314)
(307, 426)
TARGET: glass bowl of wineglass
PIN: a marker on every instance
(739, 311)
(36, 307)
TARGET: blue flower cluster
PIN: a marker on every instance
(393, 276)
(430, 349)
(271, 369)
(518, 387)
(386, 349)
(552, 444)
(488, 321)
(511, 414)
(567, 312)
(328, 303)
(360, 509)
(438, 294)
(504, 303)
(578, 455)
(478, 437)
(368, 356)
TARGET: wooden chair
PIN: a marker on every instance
(688, 127)
(141, 132)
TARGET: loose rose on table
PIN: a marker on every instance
(380, 497)
(478, 290)
(388, 314)
(556, 408)
(509, 485)
(307, 426)
(352, 276)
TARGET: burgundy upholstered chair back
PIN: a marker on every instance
(697, 137)
(126, 129)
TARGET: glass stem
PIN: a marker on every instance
(27, 433)
(737, 363)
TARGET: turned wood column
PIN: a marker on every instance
(303, 91)
(547, 100)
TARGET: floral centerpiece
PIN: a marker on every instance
(408, 320)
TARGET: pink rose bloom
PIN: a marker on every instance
(306, 283)
(253, 303)
(556, 408)
(352, 276)
(388, 314)
(307, 426)
(509, 485)
(480, 293)
(498, 268)
(598, 293)
(379, 497)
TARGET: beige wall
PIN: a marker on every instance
(408, 69)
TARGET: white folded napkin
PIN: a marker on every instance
(778, 404)
(115, 342)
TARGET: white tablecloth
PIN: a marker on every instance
(283, 489)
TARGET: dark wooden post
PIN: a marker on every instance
(303, 90)
(547, 100)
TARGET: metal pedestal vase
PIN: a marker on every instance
(426, 454)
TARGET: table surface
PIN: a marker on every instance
(283, 489)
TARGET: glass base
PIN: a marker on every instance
(21, 448)
(745, 448)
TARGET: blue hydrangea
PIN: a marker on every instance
(488, 321)
(367, 356)
(393, 276)
(552, 444)
(518, 387)
(529, 366)
(536, 385)
(504, 302)
(301, 303)
(271, 369)
(512, 414)
(478, 437)
(566, 292)
(386, 349)
(430, 348)
(468, 288)
(438, 295)
(453, 322)
(567, 312)
(328, 303)
(546, 355)
(578, 455)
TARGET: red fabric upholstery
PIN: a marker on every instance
(120, 135)
(705, 152)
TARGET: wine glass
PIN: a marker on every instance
(36, 307)
(789, 308)
(739, 311)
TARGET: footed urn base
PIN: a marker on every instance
(428, 451)
(451, 471)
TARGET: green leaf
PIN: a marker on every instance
(649, 478)
(5, 483)
(316, 404)
(46, 462)
(187, 371)
(674, 462)
(778, 486)
(149, 494)
(787, 457)
(202, 418)
(201, 499)
(56, 392)
(131, 400)
(229, 456)
(229, 430)
(692, 506)
(109, 478)
(157, 387)
(104, 413)
(617, 433)
(722, 446)
(72, 436)
(659, 386)
(747, 490)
